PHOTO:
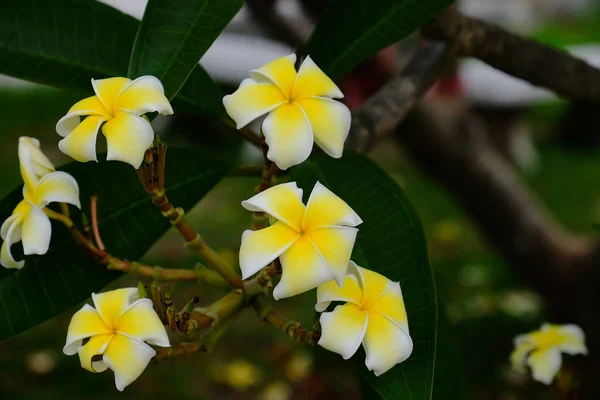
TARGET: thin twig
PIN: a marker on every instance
(96, 230)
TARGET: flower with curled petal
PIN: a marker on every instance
(313, 242)
(117, 328)
(374, 315)
(28, 221)
(541, 349)
(300, 109)
(117, 106)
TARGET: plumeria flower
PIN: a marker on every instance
(117, 328)
(118, 104)
(40, 164)
(374, 315)
(300, 108)
(313, 242)
(541, 350)
(29, 221)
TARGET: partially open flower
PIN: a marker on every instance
(300, 109)
(541, 350)
(29, 221)
(314, 242)
(116, 328)
(117, 107)
(374, 315)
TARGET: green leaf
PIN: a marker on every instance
(65, 43)
(450, 381)
(390, 241)
(348, 32)
(129, 224)
(174, 34)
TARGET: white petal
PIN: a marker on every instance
(6, 226)
(325, 209)
(12, 236)
(259, 248)
(251, 100)
(36, 232)
(312, 81)
(523, 347)
(330, 122)
(41, 163)
(111, 304)
(372, 283)
(281, 72)
(573, 340)
(80, 143)
(284, 202)
(127, 358)
(85, 323)
(288, 135)
(391, 304)
(386, 344)
(303, 269)
(143, 95)
(108, 89)
(335, 245)
(330, 291)
(545, 364)
(141, 322)
(94, 347)
(57, 187)
(128, 137)
(343, 329)
(88, 106)
(26, 166)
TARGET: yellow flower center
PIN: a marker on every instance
(547, 339)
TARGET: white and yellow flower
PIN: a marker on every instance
(314, 242)
(117, 106)
(541, 349)
(374, 315)
(300, 109)
(116, 328)
(29, 222)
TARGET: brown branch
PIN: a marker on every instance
(378, 116)
(523, 58)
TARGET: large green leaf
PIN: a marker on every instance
(390, 241)
(450, 381)
(129, 223)
(65, 43)
(350, 31)
(174, 34)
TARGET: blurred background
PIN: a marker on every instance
(552, 143)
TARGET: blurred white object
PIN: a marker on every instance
(522, 15)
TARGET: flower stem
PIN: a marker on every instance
(260, 219)
(291, 328)
(199, 274)
(152, 177)
(95, 229)
(193, 240)
(261, 283)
